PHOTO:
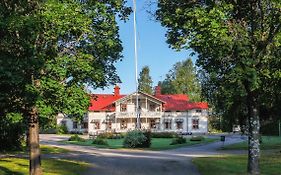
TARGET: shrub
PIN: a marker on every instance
(12, 132)
(106, 135)
(62, 129)
(49, 131)
(178, 140)
(147, 143)
(76, 138)
(99, 141)
(111, 135)
(164, 135)
(197, 138)
(136, 139)
(76, 132)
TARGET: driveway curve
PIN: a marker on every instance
(136, 162)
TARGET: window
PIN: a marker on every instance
(123, 107)
(109, 125)
(195, 123)
(96, 125)
(63, 123)
(168, 124)
(85, 125)
(179, 124)
(75, 125)
(152, 107)
(198, 110)
(152, 124)
(123, 124)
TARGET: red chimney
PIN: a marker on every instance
(116, 90)
(157, 91)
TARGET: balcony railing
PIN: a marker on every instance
(142, 114)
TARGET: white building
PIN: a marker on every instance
(158, 112)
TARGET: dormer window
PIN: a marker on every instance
(123, 107)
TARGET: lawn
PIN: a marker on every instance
(156, 143)
(237, 165)
(268, 142)
(19, 166)
(44, 150)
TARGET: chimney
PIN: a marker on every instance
(157, 91)
(116, 90)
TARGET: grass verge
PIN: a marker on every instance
(44, 150)
(237, 165)
(157, 144)
(268, 142)
(20, 166)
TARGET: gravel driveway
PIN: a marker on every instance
(136, 162)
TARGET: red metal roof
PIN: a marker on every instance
(103, 102)
(175, 102)
(179, 102)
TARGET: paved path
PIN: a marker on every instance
(137, 162)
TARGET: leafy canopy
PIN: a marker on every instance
(145, 81)
(50, 50)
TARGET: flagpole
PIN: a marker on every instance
(136, 66)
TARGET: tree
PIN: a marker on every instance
(49, 50)
(182, 79)
(237, 42)
(145, 81)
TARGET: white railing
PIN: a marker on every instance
(142, 114)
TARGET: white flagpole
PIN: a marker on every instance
(136, 66)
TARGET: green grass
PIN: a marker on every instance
(268, 142)
(157, 144)
(19, 166)
(237, 165)
(44, 150)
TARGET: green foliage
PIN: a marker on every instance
(238, 48)
(76, 138)
(99, 141)
(11, 132)
(111, 135)
(182, 79)
(136, 139)
(145, 81)
(164, 134)
(62, 129)
(19, 166)
(197, 138)
(236, 164)
(51, 49)
(178, 140)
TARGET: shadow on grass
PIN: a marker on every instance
(8, 171)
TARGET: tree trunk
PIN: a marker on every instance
(254, 136)
(34, 149)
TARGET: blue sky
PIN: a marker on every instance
(153, 51)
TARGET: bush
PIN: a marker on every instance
(76, 138)
(99, 141)
(164, 135)
(49, 131)
(76, 132)
(178, 140)
(147, 143)
(111, 135)
(12, 131)
(136, 139)
(197, 138)
(62, 129)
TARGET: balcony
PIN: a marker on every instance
(142, 114)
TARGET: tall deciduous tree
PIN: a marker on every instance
(238, 42)
(49, 50)
(182, 79)
(145, 81)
